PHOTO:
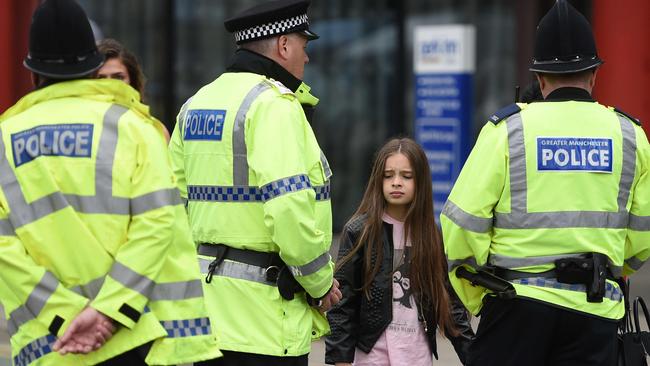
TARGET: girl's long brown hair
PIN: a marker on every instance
(428, 270)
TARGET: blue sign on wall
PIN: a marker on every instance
(444, 67)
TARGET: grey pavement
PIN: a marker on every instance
(446, 354)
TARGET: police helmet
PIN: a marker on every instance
(564, 42)
(61, 41)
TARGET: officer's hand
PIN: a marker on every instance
(89, 330)
(332, 298)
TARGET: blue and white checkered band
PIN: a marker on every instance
(270, 29)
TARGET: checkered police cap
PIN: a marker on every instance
(271, 19)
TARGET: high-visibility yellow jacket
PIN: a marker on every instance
(255, 178)
(90, 216)
(551, 180)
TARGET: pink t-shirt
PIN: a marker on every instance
(404, 341)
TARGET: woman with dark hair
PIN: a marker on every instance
(121, 64)
(392, 271)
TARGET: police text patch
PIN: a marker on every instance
(204, 124)
(574, 153)
(71, 140)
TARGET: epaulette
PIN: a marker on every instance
(504, 113)
(631, 118)
(279, 86)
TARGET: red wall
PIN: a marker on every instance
(15, 18)
(622, 31)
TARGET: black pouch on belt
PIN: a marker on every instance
(590, 271)
(287, 284)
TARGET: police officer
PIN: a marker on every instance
(95, 248)
(554, 199)
(257, 190)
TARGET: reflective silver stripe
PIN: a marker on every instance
(39, 208)
(131, 279)
(470, 261)
(617, 271)
(21, 212)
(634, 263)
(239, 150)
(34, 304)
(326, 166)
(466, 220)
(12, 190)
(520, 218)
(611, 292)
(561, 219)
(182, 115)
(517, 152)
(154, 200)
(106, 151)
(35, 350)
(6, 229)
(182, 290)
(512, 262)
(241, 271)
(99, 204)
(121, 205)
(103, 202)
(187, 327)
(90, 289)
(629, 162)
(639, 223)
(311, 267)
(166, 291)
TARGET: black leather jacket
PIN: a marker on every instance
(357, 322)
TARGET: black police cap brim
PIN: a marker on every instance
(309, 34)
(62, 70)
(565, 67)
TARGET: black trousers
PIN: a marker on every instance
(134, 357)
(525, 332)
(231, 358)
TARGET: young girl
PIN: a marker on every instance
(392, 271)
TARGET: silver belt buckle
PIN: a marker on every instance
(271, 273)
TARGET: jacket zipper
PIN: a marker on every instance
(424, 320)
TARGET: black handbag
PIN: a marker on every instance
(633, 343)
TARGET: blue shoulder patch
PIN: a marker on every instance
(504, 113)
(631, 118)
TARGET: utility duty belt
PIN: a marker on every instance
(275, 270)
(590, 270)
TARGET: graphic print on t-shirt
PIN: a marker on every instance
(402, 283)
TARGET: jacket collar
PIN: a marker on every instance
(101, 90)
(249, 61)
(104, 90)
(569, 93)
